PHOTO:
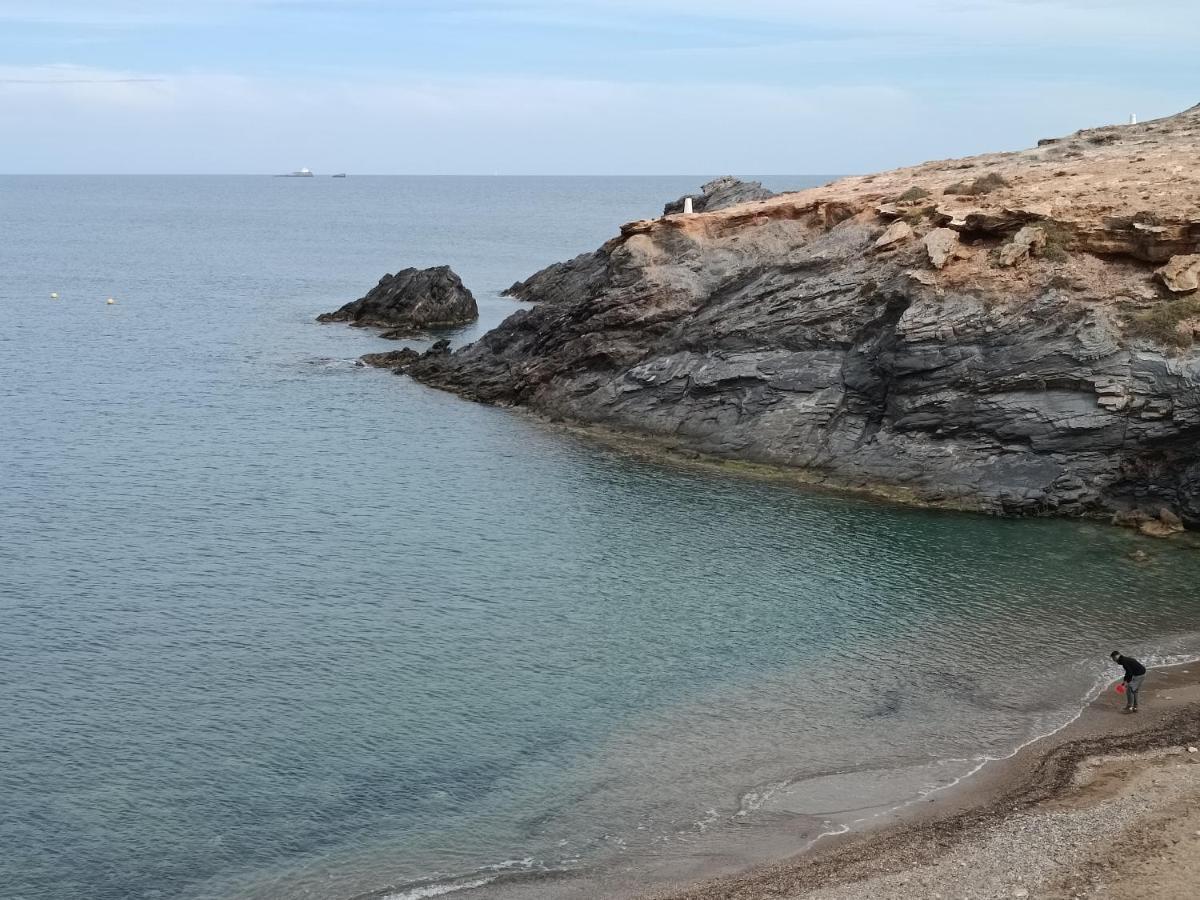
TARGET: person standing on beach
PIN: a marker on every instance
(1134, 673)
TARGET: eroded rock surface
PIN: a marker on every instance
(1048, 377)
(896, 233)
(1182, 273)
(1025, 243)
(410, 302)
(942, 246)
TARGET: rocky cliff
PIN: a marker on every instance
(1011, 332)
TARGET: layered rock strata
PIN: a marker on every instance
(1012, 332)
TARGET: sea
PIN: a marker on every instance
(276, 625)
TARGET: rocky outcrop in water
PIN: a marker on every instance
(1012, 332)
(397, 360)
(400, 360)
(410, 302)
(720, 193)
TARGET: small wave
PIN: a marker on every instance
(320, 365)
(509, 864)
(1099, 686)
(437, 889)
(710, 817)
(752, 801)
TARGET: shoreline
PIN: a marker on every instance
(662, 450)
(902, 854)
(878, 854)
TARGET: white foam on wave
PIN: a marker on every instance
(752, 801)
(525, 862)
(437, 890)
(461, 882)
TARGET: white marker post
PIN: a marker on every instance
(687, 206)
(1133, 118)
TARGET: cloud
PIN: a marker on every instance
(559, 86)
(77, 119)
(231, 123)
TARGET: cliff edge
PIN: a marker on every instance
(1013, 332)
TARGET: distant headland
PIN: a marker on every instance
(1012, 333)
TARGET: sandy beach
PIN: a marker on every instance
(1105, 808)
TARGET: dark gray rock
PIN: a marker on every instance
(574, 279)
(411, 301)
(842, 364)
(1064, 383)
(391, 359)
(720, 193)
(400, 360)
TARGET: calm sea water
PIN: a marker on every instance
(273, 625)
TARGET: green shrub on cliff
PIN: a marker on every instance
(1058, 239)
(918, 214)
(1161, 323)
(984, 184)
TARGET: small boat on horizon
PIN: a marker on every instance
(338, 175)
(300, 173)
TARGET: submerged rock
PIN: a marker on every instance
(777, 332)
(411, 301)
(390, 359)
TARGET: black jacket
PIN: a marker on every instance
(1132, 667)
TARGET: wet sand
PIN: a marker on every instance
(1107, 807)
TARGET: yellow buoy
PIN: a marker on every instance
(110, 301)
(54, 295)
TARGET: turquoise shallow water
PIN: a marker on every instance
(274, 625)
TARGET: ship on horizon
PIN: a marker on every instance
(299, 173)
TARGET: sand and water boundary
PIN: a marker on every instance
(1106, 798)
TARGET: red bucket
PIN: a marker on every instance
(1120, 687)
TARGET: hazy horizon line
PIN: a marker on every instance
(317, 175)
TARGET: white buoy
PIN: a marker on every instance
(54, 295)
(687, 206)
(1133, 118)
(110, 301)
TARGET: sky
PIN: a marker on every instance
(746, 87)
